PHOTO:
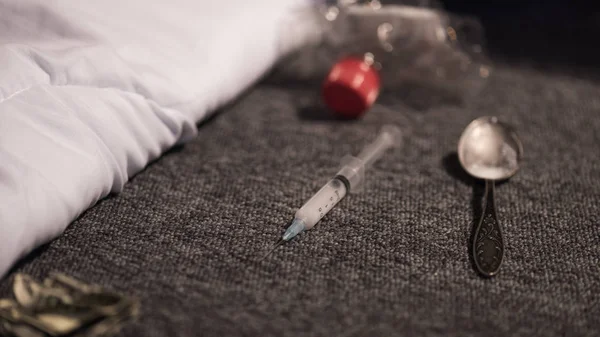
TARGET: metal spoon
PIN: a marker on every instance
(489, 149)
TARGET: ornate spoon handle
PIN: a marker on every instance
(488, 245)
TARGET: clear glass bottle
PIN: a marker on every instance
(414, 50)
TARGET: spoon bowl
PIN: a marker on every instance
(489, 149)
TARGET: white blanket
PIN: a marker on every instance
(91, 91)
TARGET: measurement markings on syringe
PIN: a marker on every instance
(333, 203)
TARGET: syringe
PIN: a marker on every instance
(349, 178)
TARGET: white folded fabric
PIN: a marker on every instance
(91, 91)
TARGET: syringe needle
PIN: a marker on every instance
(273, 248)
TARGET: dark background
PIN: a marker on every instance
(553, 33)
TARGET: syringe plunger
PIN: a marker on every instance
(353, 168)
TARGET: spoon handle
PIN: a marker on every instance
(488, 245)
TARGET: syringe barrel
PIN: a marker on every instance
(353, 168)
(322, 202)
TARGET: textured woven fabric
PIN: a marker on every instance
(185, 235)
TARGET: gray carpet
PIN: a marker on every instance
(185, 235)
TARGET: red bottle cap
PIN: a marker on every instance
(351, 87)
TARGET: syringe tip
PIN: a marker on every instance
(295, 228)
